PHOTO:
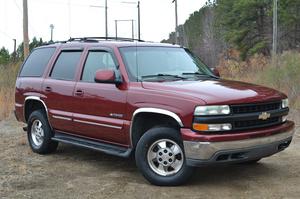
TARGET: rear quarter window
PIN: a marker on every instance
(37, 62)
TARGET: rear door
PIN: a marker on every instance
(99, 107)
(30, 79)
(59, 89)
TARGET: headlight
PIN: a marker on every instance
(285, 103)
(212, 110)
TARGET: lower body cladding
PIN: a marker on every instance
(210, 153)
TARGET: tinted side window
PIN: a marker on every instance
(65, 65)
(97, 60)
(37, 62)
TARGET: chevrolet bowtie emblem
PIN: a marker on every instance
(264, 116)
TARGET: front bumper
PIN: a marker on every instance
(214, 152)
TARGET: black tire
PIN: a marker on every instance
(249, 162)
(47, 145)
(150, 137)
(252, 161)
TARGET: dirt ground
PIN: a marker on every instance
(74, 172)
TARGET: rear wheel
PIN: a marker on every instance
(39, 133)
(160, 157)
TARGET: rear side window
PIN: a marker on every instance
(37, 62)
(65, 65)
(97, 60)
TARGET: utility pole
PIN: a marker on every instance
(106, 18)
(15, 49)
(275, 31)
(51, 29)
(124, 20)
(15, 45)
(116, 26)
(176, 22)
(69, 20)
(139, 20)
(106, 24)
(139, 15)
(132, 29)
(25, 29)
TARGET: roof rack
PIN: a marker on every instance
(93, 39)
(96, 39)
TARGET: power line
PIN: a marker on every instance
(138, 4)
(21, 13)
(18, 6)
(5, 34)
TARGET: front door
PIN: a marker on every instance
(99, 107)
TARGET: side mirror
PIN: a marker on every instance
(215, 71)
(106, 76)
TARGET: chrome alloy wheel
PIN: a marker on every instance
(37, 133)
(165, 157)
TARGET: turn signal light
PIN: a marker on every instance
(200, 127)
(212, 127)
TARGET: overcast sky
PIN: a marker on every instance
(78, 18)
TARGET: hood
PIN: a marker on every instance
(218, 91)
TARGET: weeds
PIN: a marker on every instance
(8, 75)
(285, 76)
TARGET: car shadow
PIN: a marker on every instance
(213, 175)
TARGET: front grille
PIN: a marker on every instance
(248, 116)
(250, 124)
(252, 108)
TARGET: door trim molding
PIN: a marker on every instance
(61, 117)
(97, 124)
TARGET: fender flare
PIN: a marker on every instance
(36, 98)
(157, 111)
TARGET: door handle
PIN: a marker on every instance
(48, 89)
(79, 92)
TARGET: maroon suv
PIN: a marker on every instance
(156, 101)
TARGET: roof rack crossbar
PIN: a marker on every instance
(95, 39)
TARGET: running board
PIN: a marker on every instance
(89, 144)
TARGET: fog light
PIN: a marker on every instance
(284, 118)
(285, 103)
(212, 127)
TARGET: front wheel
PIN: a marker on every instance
(160, 157)
(250, 162)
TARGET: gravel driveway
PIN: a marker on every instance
(74, 172)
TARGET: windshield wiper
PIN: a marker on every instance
(164, 75)
(199, 74)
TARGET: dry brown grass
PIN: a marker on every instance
(8, 75)
(260, 70)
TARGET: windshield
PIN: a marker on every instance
(143, 63)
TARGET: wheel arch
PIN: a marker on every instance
(38, 102)
(161, 113)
